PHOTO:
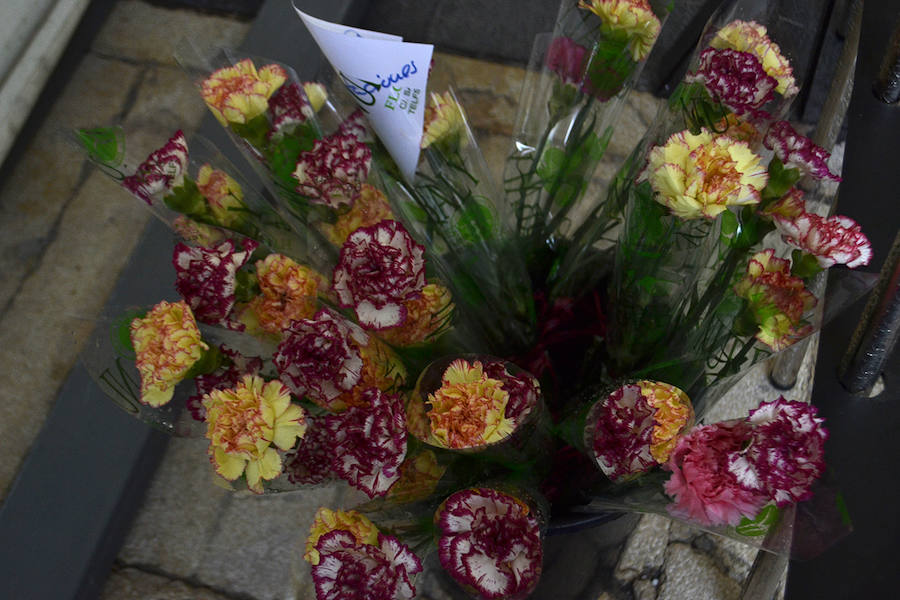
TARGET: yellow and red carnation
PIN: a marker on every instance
(750, 36)
(289, 292)
(701, 175)
(167, 344)
(469, 409)
(776, 299)
(243, 425)
(240, 93)
(370, 208)
(444, 122)
(427, 317)
(224, 196)
(633, 18)
(673, 414)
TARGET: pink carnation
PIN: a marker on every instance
(333, 171)
(380, 268)
(737, 79)
(490, 542)
(162, 170)
(227, 376)
(566, 58)
(352, 570)
(704, 483)
(787, 450)
(797, 151)
(205, 277)
(836, 240)
(370, 442)
(320, 357)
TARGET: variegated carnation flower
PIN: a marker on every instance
(786, 449)
(469, 409)
(326, 520)
(233, 369)
(311, 461)
(797, 151)
(163, 170)
(370, 208)
(750, 36)
(636, 427)
(427, 317)
(246, 424)
(790, 206)
(333, 172)
(632, 18)
(350, 570)
(419, 476)
(167, 344)
(490, 543)
(205, 277)
(239, 93)
(370, 442)
(291, 106)
(736, 79)
(356, 125)
(776, 299)
(701, 175)
(380, 268)
(224, 197)
(289, 292)
(836, 240)
(444, 122)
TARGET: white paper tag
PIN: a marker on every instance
(387, 77)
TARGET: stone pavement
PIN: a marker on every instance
(68, 231)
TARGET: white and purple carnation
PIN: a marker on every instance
(205, 278)
(490, 543)
(622, 431)
(320, 357)
(333, 171)
(356, 126)
(836, 240)
(289, 108)
(380, 268)
(352, 570)
(311, 461)
(227, 376)
(370, 442)
(797, 151)
(736, 79)
(523, 390)
(162, 170)
(787, 450)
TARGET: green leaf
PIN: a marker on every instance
(842, 509)
(105, 145)
(729, 225)
(121, 334)
(804, 265)
(781, 179)
(187, 200)
(761, 525)
(551, 165)
(246, 286)
(475, 222)
(415, 211)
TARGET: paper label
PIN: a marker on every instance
(386, 76)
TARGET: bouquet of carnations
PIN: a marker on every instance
(479, 359)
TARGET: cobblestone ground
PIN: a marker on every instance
(67, 233)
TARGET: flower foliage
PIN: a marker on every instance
(349, 570)
(205, 277)
(163, 170)
(836, 240)
(797, 151)
(490, 542)
(700, 176)
(736, 79)
(380, 268)
(244, 426)
(332, 173)
(167, 344)
(239, 93)
(750, 36)
(632, 18)
(776, 299)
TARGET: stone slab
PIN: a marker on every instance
(691, 574)
(134, 584)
